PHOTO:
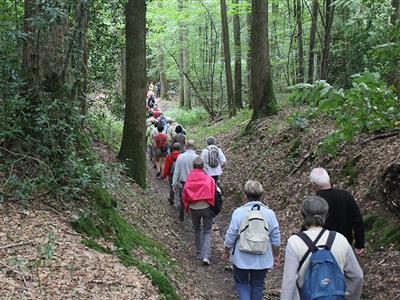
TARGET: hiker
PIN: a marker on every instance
(183, 166)
(198, 196)
(151, 102)
(149, 138)
(344, 215)
(214, 159)
(151, 86)
(160, 145)
(252, 260)
(158, 88)
(179, 136)
(156, 112)
(170, 164)
(296, 273)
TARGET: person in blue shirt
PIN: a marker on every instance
(249, 270)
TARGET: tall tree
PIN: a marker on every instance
(43, 51)
(329, 14)
(133, 137)
(185, 61)
(313, 33)
(227, 59)
(299, 21)
(163, 78)
(181, 53)
(261, 80)
(238, 57)
(248, 60)
(396, 11)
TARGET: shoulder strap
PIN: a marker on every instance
(331, 238)
(312, 246)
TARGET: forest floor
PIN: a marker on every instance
(42, 257)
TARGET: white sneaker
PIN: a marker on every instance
(206, 261)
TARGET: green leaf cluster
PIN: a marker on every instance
(369, 105)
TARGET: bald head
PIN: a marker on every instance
(320, 179)
(190, 145)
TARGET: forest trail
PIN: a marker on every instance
(214, 281)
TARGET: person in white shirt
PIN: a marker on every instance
(213, 165)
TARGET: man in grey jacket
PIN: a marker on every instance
(183, 166)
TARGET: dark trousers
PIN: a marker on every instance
(181, 207)
(171, 191)
(215, 177)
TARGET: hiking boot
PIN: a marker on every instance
(206, 261)
(158, 174)
(171, 201)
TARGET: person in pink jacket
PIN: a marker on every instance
(198, 196)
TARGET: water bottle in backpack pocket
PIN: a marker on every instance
(323, 278)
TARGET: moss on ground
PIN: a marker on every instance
(104, 221)
(380, 232)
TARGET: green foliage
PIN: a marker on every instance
(103, 221)
(188, 118)
(370, 105)
(380, 232)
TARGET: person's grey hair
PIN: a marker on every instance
(319, 177)
(211, 140)
(253, 189)
(198, 163)
(314, 210)
(190, 145)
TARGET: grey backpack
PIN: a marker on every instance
(213, 156)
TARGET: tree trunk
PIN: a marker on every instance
(261, 80)
(43, 50)
(248, 61)
(227, 59)
(181, 75)
(133, 143)
(238, 59)
(329, 13)
(396, 11)
(299, 20)
(163, 78)
(185, 61)
(313, 32)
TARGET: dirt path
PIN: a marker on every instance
(212, 282)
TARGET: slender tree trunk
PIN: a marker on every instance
(133, 143)
(238, 59)
(313, 32)
(248, 61)
(261, 80)
(299, 20)
(83, 84)
(181, 75)
(163, 78)
(185, 61)
(396, 11)
(227, 58)
(329, 13)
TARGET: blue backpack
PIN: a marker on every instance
(323, 279)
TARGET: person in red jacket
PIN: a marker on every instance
(198, 196)
(169, 169)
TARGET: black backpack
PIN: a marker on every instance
(217, 201)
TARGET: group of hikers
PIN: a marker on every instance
(320, 262)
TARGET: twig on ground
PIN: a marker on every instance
(382, 136)
(15, 271)
(305, 158)
(16, 245)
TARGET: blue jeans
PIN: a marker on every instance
(249, 283)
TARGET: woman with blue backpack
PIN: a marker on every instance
(320, 264)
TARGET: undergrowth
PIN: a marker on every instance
(188, 118)
(102, 220)
(380, 232)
